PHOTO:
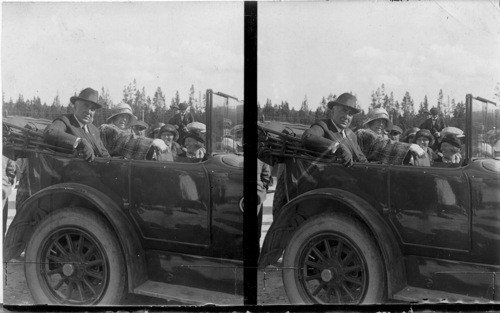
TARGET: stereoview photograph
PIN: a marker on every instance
(379, 145)
(122, 153)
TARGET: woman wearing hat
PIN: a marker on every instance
(194, 145)
(121, 141)
(425, 140)
(122, 116)
(449, 149)
(155, 130)
(169, 135)
(377, 146)
(395, 132)
(409, 134)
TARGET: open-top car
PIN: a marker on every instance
(94, 231)
(375, 232)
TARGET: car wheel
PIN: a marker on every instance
(74, 258)
(279, 199)
(331, 258)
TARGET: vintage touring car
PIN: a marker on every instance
(375, 233)
(93, 232)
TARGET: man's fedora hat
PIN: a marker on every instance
(434, 111)
(378, 113)
(88, 95)
(347, 100)
(122, 108)
(182, 106)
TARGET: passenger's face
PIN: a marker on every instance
(423, 142)
(168, 137)
(84, 111)
(192, 144)
(342, 116)
(121, 121)
(395, 136)
(378, 126)
(448, 150)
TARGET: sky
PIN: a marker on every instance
(315, 49)
(62, 48)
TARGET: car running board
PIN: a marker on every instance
(421, 295)
(188, 295)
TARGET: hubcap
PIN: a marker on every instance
(326, 275)
(73, 267)
(68, 269)
(332, 270)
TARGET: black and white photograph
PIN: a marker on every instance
(374, 127)
(122, 153)
(379, 173)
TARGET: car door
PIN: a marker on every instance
(170, 203)
(430, 208)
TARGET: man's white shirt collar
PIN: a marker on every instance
(84, 126)
(341, 131)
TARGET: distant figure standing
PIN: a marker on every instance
(181, 119)
(8, 175)
(434, 124)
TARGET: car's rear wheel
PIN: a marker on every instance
(331, 258)
(74, 258)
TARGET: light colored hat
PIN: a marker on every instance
(452, 131)
(378, 113)
(122, 108)
(197, 126)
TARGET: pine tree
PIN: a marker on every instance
(192, 98)
(105, 98)
(129, 93)
(440, 100)
(496, 93)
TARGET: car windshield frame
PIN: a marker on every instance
(483, 123)
(224, 123)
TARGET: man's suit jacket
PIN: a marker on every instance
(65, 129)
(316, 138)
(438, 126)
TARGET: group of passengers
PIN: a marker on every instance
(123, 135)
(379, 140)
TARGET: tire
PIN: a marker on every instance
(74, 258)
(279, 199)
(323, 278)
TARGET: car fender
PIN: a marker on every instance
(31, 212)
(288, 220)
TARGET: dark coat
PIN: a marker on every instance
(317, 139)
(176, 150)
(437, 127)
(65, 129)
(181, 121)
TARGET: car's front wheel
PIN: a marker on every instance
(331, 258)
(74, 258)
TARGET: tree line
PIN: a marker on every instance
(405, 113)
(148, 109)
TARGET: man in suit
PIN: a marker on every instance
(76, 131)
(333, 135)
(181, 119)
(434, 124)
